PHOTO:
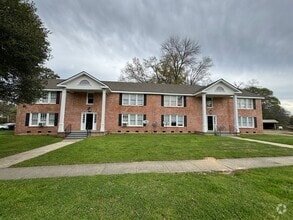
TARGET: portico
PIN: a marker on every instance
(91, 109)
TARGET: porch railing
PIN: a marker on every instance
(67, 130)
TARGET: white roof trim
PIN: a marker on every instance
(104, 86)
(236, 91)
(249, 97)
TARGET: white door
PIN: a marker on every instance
(88, 121)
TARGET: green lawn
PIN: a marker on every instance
(11, 144)
(139, 147)
(252, 194)
(283, 139)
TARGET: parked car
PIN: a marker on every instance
(7, 126)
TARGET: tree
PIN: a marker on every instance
(179, 64)
(24, 50)
(8, 112)
(271, 105)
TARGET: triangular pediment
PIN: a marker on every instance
(220, 87)
(83, 81)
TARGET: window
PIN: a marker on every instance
(90, 98)
(173, 120)
(43, 119)
(246, 122)
(173, 101)
(245, 103)
(209, 102)
(132, 120)
(133, 99)
(48, 98)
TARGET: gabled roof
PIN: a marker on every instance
(149, 88)
(83, 73)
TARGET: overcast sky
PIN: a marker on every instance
(248, 39)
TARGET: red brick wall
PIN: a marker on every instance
(22, 109)
(76, 104)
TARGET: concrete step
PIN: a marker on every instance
(77, 135)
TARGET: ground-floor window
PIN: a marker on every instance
(246, 122)
(132, 119)
(43, 119)
(174, 120)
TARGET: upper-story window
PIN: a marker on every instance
(90, 98)
(173, 101)
(245, 103)
(210, 102)
(133, 99)
(48, 98)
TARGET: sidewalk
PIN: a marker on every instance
(206, 165)
(17, 158)
(264, 142)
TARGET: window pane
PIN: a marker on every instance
(249, 122)
(180, 100)
(166, 120)
(166, 100)
(239, 122)
(124, 118)
(238, 103)
(173, 120)
(125, 99)
(209, 102)
(43, 118)
(34, 118)
(180, 120)
(140, 99)
(53, 97)
(45, 98)
(51, 119)
(132, 119)
(244, 121)
(249, 103)
(173, 100)
(132, 99)
(90, 98)
(139, 119)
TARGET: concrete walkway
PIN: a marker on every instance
(206, 165)
(264, 142)
(17, 158)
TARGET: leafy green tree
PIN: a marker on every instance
(24, 50)
(7, 111)
(179, 63)
(271, 105)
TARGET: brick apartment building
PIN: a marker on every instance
(83, 102)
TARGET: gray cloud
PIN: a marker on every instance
(246, 39)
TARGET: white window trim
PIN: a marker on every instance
(128, 120)
(49, 94)
(240, 122)
(169, 101)
(170, 116)
(39, 119)
(87, 98)
(246, 103)
(136, 99)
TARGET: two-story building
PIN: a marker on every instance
(82, 102)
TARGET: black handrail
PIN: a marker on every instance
(67, 130)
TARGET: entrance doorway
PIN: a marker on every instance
(212, 122)
(88, 121)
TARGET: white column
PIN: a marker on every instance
(235, 114)
(103, 115)
(62, 111)
(204, 114)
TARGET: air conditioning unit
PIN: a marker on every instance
(124, 124)
(42, 124)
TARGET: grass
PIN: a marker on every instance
(136, 147)
(252, 194)
(11, 144)
(283, 139)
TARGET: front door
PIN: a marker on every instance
(88, 121)
(212, 122)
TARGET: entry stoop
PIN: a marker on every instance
(77, 135)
